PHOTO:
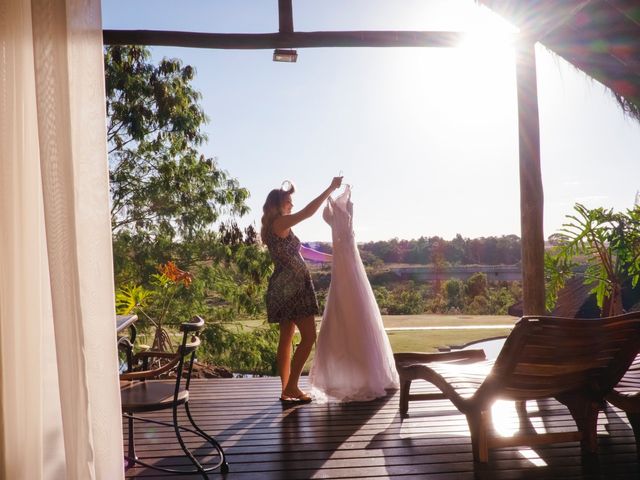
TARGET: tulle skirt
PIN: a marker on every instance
(353, 359)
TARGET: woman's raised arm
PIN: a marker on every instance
(282, 224)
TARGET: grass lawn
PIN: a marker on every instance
(413, 340)
(427, 320)
(432, 340)
(431, 320)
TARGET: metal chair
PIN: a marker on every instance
(144, 392)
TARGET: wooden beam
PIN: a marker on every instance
(257, 41)
(531, 193)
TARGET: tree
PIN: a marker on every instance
(161, 186)
(166, 201)
(476, 285)
(609, 243)
(456, 250)
(454, 291)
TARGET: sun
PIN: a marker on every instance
(487, 39)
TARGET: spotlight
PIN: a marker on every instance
(280, 55)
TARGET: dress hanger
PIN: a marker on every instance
(340, 174)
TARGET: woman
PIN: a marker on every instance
(291, 299)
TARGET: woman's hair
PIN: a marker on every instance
(273, 207)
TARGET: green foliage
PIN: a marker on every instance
(157, 304)
(476, 285)
(129, 297)
(479, 306)
(501, 298)
(558, 269)
(608, 243)
(166, 197)
(454, 291)
(238, 282)
(161, 186)
(503, 250)
(437, 304)
(406, 299)
(247, 351)
(383, 298)
(413, 298)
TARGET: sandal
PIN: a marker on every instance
(302, 398)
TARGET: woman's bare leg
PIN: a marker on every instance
(283, 357)
(307, 327)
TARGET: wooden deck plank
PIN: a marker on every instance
(264, 440)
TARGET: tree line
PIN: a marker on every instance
(435, 250)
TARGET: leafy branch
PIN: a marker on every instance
(608, 243)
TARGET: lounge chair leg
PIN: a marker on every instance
(585, 414)
(524, 423)
(478, 423)
(634, 420)
(405, 386)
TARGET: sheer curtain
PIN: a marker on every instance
(60, 404)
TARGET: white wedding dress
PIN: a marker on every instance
(353, 359)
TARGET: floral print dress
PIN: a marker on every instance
(290, 294)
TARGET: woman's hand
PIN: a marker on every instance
(336, 182)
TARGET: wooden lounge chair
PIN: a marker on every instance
(626, 396)
(576, 361)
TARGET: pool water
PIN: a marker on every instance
(491, 346)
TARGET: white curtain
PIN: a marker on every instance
(60, 403)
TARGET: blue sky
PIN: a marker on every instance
(427, 137)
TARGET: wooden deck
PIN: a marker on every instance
(264, 440)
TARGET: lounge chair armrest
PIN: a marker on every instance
(461, 356)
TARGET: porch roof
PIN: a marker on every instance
(599, 37)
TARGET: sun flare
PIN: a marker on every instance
(487, 40)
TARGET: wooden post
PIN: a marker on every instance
(531, 194)
(285, 16)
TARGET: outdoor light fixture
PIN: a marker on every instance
(280, 55)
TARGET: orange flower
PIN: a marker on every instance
(173, 273)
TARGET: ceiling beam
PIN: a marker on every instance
(255, 41)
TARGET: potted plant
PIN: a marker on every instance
(156, 303)
(608, 243)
